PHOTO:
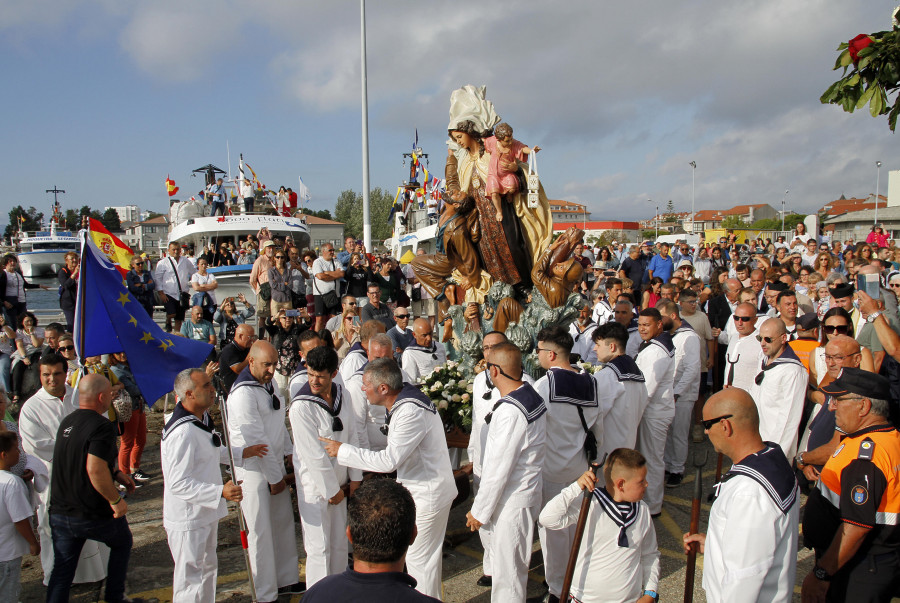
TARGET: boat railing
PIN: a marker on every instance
(416, 219)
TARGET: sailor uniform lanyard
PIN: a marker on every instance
(175, 270)
(432, 350)
(731, 367)
(762, 373)
(387, 419)
(336, 423)
(314, 279)
(623, 514)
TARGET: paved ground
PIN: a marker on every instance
(151, 565)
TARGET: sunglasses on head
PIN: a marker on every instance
(707, 424)
(839, 329)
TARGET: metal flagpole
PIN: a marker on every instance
(367, 225)
(241, 523)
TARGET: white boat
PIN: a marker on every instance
(195, 230)
(414, 228)
(43, 253)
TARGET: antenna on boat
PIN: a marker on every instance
(56, 211)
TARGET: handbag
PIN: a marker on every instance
(534, 182)
(185, 299)
(329, 298)
(265, 292)
(123, 405)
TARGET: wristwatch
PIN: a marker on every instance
(873, 316)
(799, 458)
(820, 573)
(653, 594)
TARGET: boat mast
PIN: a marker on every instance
(367, 225)
(56, 211)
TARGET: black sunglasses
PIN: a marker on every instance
(401, 316)
(840, 329)
(743, 318)
(66, 348)
(760, 338)
(707, 424)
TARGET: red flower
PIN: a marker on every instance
(858, 43)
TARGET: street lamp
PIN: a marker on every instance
(782, 209)
(655, 217)
(693, 165)
(877, 182)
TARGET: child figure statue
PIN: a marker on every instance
(505, 151)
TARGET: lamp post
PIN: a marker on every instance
(782, 209)
(693, 165)
(655, 218)
(877, 182)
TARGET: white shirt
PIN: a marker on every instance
(246, 190)
(628, 399)
(742, 361)
(602, 313)
(481, 406)
(513, 478)
(658, 366)
(420, 362)
(321, 287)
(417, 451)
(165, 276)
(780, 399)
(687, 363)
(583, 345)
(604, 571)
(14, 508)
(320, 475)
(369, 417)
(565, 458)
(205, 280)
(763, 566)
(39, 421)
(352, 362)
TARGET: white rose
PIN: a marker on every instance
(437, 385)
(456, 398)
(463, 383)
(470, 388)
(466, 397)
(442, 405)
(446, 395)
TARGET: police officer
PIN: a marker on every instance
(851, 516)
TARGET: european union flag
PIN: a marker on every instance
(108, 319)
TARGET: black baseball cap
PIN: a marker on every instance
(858, 381)
(842, 290)
(808, 321)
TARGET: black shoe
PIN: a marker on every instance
(294, 589)
(655, 515)
(674, 480)
(485, 581)
(140, 476)
(551, 598)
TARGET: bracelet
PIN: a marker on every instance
(115, 502)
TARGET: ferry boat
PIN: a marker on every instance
(43, 253)
(413, 226)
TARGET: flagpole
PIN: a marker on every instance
(79, 299)
(367, 225)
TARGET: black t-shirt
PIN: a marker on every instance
(386, 587)
(634, 269)
(357, 281)
(71, 493)
(231, 355)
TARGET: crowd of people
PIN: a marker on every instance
(789, 368)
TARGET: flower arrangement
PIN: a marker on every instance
(590, 368)
(451, 392)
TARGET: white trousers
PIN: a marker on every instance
(94, 556)
(484, 533)
(555, 544)
(651, 442)
(425, 556)
(196, 566)
(324, 536)
(271, 535)
(513, 532)
(679, 432)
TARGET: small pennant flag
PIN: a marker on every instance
(170, 186)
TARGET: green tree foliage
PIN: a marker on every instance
(348, 210)
(32, 220)
(670, 212)
(322, 213)
(734, 222)
(72, 220)
(110, 219)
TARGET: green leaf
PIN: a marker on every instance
(854, 80)
(876, 104)
(829, 95)
(844, 59)
(892, 116)
(866, 97)
(864, 62)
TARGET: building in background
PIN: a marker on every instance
(567, 211)
(622, 232)
(146, 236)
(323, 231)
(127, 213)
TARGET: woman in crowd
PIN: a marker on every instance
(68, 288)
(877, 237)
(612, 262)
(806, 280)
(651, 293)
(821, 299)
(7, 349)
(283, 331)
(134, 432)
(824, 264)
(835, 322)
(29, 339)
(864, 251)
(280, 284)
(228, 318)
(800, 236)
(702, 264)
(358, 276)
(66, 349)
(347, 333)
(204, 285)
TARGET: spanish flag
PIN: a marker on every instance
(170, 186)
(109, 245)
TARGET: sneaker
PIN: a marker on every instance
(485, 581)
(294, 589)
(674, 480)
(697, 434)
(140, 476)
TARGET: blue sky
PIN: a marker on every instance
(104, 98)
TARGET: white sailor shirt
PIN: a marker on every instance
(656, 359)
(687, 363)
(602, 313)
(634, 342)
(779, 391)
(623, 382)
(369, 417)
(418, 361)
(300, 377)
(355, 359)
(484, 396)
(583, 344)
(742, 361)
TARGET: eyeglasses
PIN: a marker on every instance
(66, 348)
(839, 358)
(539, 350)
(760, 339)
(742, 318)
(374, 292)
(351, 303)
(401, 316)
(839, 329)
(708, 423)
(894, 285)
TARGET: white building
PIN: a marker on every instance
(127, 213)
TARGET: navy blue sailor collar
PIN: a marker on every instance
(626, 369)
(569, 387)
(527, 401)
(663, 341)
(337, 395)
(410, 394)
(181, 416)
(771, 470)
(787, 357)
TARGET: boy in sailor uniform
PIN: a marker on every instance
(623, 381)
(193, 494)
(575, 411)
(656, 359)
(751, 546)
(321, 409)
(779, 389)
(256, 415)
(618, 559)
(356, 357)
(687, 388)
(308, 340)
(509, 497)
(417, 451)
(420, 358)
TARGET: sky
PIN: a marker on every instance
(105, 98)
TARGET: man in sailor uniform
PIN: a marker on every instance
(779, 388)
(602, 312)
(581, 330)
(356, 357)
(750, 550)
(193, 494)
(656, 359)
(420, 358)
(417, 451)
(687, 388)
(307, 340)
(623, 382)
(256, 416)
(510, 493)
(742, 355)
(624, 315)
(321, 410)
(575, 411)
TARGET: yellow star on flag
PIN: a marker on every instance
(147, 337)
(165, 345)
(123, 298)
(132, 320)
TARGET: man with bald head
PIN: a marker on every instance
(720, 309)
(256, 415)
(779, 388)
(509, 496)
(233, 358)
(757, 506)
(424, 354)
(742, 354)
(84, 501)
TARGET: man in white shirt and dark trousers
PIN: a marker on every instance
(750, 549)
(256, 416)
(656, 359)
(417, 451)
(321, 409)
(194, 498)
(742, 355)
(574, 432)
(687, 389)
(173, 278)
(510, 493)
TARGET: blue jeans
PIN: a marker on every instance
(218, 206)
(5, 364)
(69, 534)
